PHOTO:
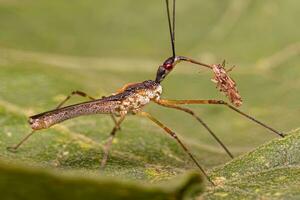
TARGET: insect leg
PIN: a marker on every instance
(110, 140)
(15, 147)
(221, 102)
(183, 58)
(174, 136)
(165, 103)
(115, 121)
(76, 92)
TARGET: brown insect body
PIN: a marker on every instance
(130, 100)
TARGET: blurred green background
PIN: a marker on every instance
(50, 48)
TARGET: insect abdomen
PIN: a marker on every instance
(47, 119)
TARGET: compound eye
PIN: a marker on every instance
(168, 66)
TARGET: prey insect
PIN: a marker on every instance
(133, 97)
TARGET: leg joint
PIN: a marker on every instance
(173, 134)
(79, 93)
(217, 102)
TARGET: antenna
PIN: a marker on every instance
(171, 25)
(174, 9)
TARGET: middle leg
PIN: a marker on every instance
(165, 103)
(221, 102)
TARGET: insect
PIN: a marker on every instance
(133, 97)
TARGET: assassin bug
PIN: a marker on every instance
(131, 98)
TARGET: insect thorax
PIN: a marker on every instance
(140, 95)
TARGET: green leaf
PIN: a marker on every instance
(20, 182)
(272, 171)
(50, 48)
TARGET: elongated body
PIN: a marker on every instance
(130, 100)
